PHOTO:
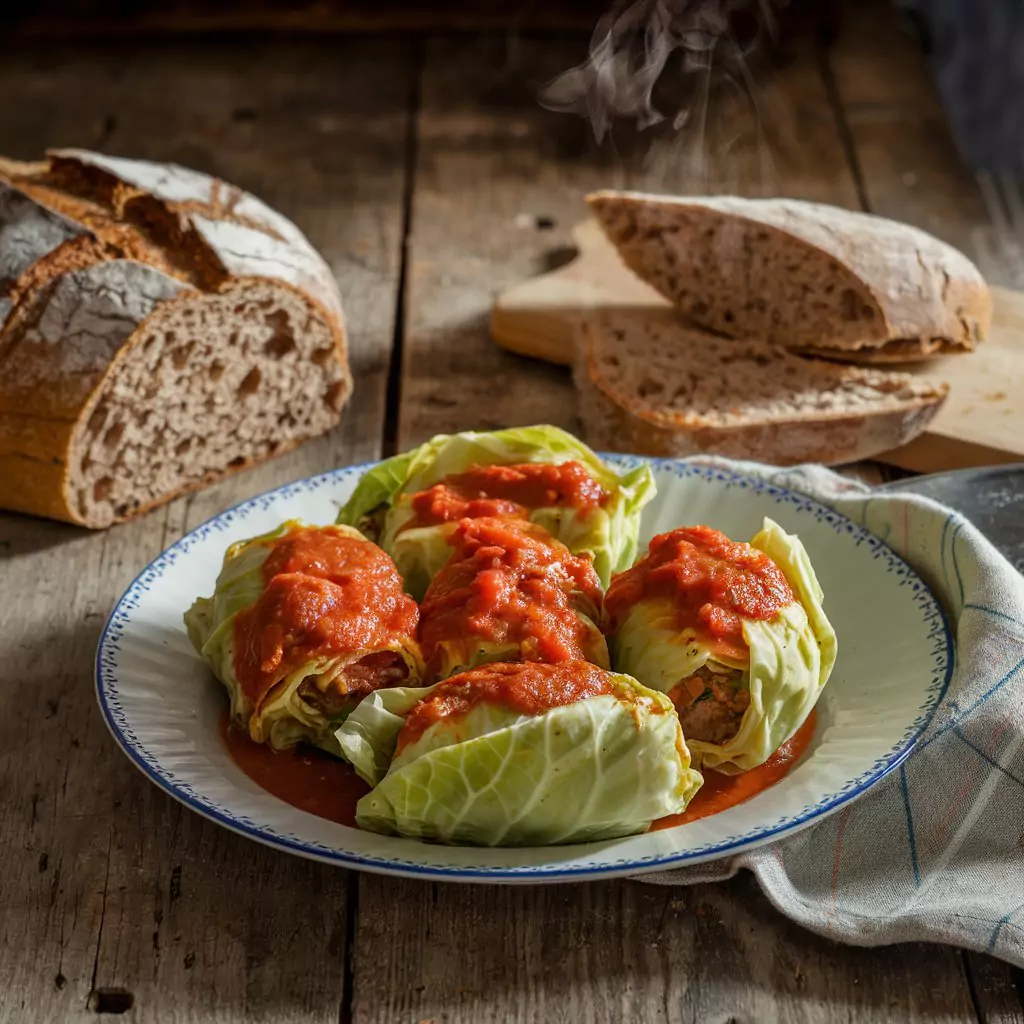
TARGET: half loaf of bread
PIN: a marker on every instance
(803, 275)
(650, 385)
(158, 329)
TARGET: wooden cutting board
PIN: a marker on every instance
(981, 422)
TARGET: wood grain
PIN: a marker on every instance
(498, 187)
(902, 144)
(998, 989)
(627, 952)
(489, 163)
(112, 892)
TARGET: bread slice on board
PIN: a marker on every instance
(649, 384)
(158, 329)
(804, 275)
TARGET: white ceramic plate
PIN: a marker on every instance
(895, 658)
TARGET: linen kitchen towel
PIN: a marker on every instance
(935, 851)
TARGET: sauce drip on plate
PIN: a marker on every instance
(507, 491)
(720, 792)
(302, 776)
(714, 583)
(317, 783)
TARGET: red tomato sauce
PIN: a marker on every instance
(528, 688)
(721, 792)
(313, 781)
(326, 594)
(507, 491)
(302, 776)
(714, 583)
(510, 582)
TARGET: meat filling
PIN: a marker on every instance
(711, 705)
(375, 671)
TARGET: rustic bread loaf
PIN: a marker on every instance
(158, 329)
(649, 384)
(807, 276)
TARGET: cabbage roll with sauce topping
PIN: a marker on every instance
(736, 634)
(304, 622)
(411, 502)
(510, 592)
(519, 754)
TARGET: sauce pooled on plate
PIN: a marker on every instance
(720, 792)
(302, 776)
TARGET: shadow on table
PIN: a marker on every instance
(133, 899)
(623, 950)
(25, 535)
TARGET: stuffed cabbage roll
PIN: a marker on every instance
(736, 634)
(304, 622)
(510, 592)
(519, 754)
(410, 503)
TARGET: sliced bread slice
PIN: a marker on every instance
(808, 276)
(649, 384)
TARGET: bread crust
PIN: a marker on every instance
(149, 236)
(912, 296)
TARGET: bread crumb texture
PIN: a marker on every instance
(800, 274)
(651, 384)
(158, 329)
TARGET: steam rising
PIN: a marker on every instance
(633, 46)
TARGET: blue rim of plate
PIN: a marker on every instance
(106, 691)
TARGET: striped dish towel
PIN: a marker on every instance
(934, 852)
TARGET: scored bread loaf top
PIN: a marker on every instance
(248, 237)
(650, 384)
(801, 274)
(238, 314)
(81, 210)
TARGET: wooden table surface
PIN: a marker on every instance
(428, 175)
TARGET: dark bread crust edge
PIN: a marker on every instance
(963, 290)
(36, 455)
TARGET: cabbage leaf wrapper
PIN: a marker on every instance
(739, 697)
(303, 622)
(510, 592)
(519, 754)
(409, 503)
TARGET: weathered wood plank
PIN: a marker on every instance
(629, 952)
(496, 192)
(500, 183)
(903, 145)
(998, 990)
(111, 887)
(489, 164)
